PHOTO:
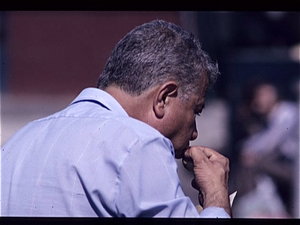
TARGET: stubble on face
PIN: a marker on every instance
(186, 118)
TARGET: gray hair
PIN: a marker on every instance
(154, 53)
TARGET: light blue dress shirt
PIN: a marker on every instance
(92, 159)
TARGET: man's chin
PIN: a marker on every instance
(178, 156)
(180, 153)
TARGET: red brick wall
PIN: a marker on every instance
(63, 52)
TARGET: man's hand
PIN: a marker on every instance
(211, 171)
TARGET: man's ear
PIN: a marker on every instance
(163, 96)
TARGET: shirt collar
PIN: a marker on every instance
(102, 97)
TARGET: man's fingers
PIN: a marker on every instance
(200, 195)
(188, 163)
(215, 156)
(210, 153)
(211, 171)
(199, 154)
(193, 152)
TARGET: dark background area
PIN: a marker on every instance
(63, 51)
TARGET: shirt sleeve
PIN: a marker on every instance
(214, 212)
(149, 185)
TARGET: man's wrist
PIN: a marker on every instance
(219, 198)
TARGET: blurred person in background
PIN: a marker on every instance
(269, 154)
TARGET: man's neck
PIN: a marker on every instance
(136, 106)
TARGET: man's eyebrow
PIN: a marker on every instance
(200, 107)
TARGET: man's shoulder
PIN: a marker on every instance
(135, 127)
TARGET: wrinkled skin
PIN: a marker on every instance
(211, 171)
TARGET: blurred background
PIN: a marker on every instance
(251, 114)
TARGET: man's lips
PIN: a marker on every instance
(187, 161)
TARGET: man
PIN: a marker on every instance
(112, 151)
